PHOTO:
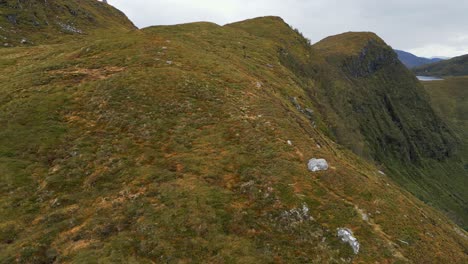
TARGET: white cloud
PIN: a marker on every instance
(437, 50)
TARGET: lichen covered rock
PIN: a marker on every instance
(317, 165)
(347, 236)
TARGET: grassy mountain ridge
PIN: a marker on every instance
(27, 22)
(170, 144)
(457, 66)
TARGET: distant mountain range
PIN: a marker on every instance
(457, 66)
(412, 61)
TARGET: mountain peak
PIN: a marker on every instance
(276, 30)
(271, 27)
(349, 43)
(358, 53)
(263, 19)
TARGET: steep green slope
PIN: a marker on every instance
(26, 22)
(406, 128)
(450, 98)
(457, 66)
(170, 144)
(374, 106)
(378, 98)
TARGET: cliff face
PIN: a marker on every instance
(388, 103)
(26, 22)
(371, 59)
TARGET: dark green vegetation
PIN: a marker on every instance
(412, 61)
(29, 22)
(450, 99)
(457, 66)
(169, 145)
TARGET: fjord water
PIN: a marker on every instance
(429, 78)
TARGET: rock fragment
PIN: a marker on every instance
(347, 236)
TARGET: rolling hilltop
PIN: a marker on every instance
(457, 66)
(190, 143)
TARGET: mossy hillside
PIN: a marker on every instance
(170, 145)
(449, 97)
(457, 66)
(374, 106)
(33, 22)
(407, 136)
(375, 77)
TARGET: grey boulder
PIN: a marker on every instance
(317, 165)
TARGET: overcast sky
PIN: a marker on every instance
(423, 27)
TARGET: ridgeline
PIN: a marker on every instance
(190, 143)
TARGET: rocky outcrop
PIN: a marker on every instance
(372, 58)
